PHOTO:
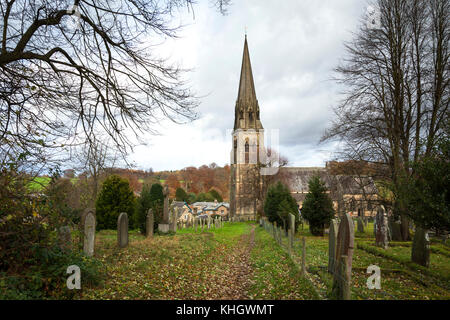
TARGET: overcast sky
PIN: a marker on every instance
(294, 46)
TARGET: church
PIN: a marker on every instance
(353, 193)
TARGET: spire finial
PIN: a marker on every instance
(245, 32)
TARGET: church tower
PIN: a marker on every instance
(247, 141)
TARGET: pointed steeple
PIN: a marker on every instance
(247, 109)
(246, 84)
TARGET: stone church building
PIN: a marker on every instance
(351, 193)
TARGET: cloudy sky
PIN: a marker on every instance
(294, 46)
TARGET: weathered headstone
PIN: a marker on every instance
(360, 225)
(332, 243)
(122, 230)
(345, 241)
(420, 252)
(149, 223)
(344, 257)
(381, 228)
(65, 238)
(88, 222)
(195, 224)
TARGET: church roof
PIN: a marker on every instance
(246, 83)
(298, 178)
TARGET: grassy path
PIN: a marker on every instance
(238, 261)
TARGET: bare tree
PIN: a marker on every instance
(256, 183)
(397, 80)
(72, 67)
(94, 158)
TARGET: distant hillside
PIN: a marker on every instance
(191, 179)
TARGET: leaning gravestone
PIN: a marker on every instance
(149, 224)
(344, 257)
(420, 252)
(381, 228)
(332, 242)
(345, 240)
(122, 230)
(88, 223)
(360, 225)
(65, 238)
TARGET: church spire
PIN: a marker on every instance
(246, 84)
(247, 109)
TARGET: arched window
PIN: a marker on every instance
(250, 116)
(235, 151)
(246, 151)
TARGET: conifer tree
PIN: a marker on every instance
(317, 207)
(115, 197)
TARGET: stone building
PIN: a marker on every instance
(356, 194)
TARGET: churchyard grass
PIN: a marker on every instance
(243, 261)
(400, 278)
(275, 275)
(196, 265)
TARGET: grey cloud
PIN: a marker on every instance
(294, 46)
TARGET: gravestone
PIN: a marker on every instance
(122, 230)
(344, 256)
(332, 243)
(164, 226)
(195, 224)
(381, 228)
(420, 252)
(345, 241)
(88, 222)
(149, 223)
(65, 238)
(360, 225)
